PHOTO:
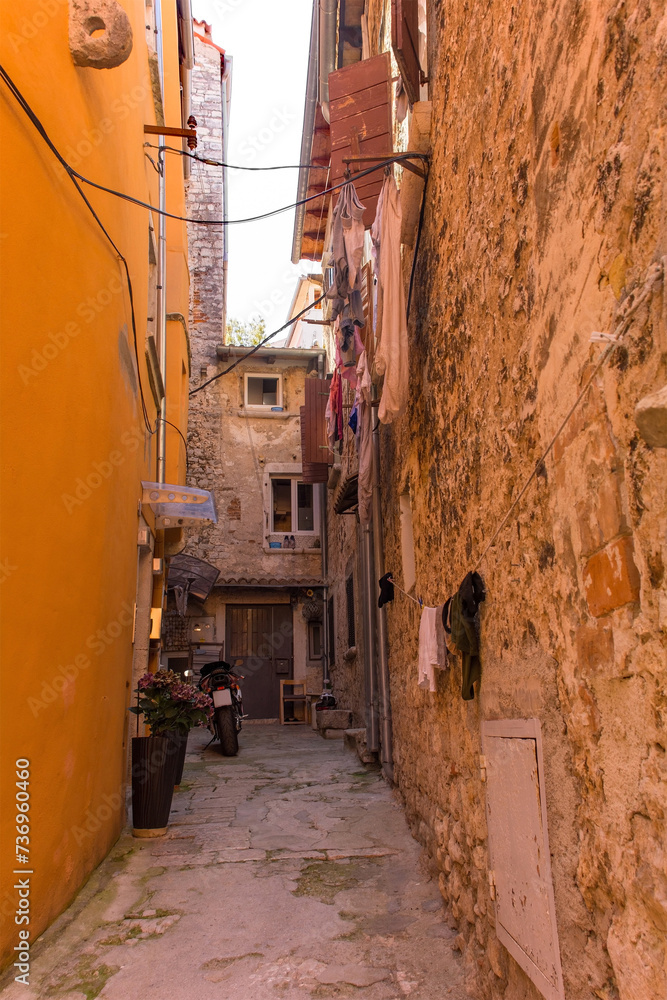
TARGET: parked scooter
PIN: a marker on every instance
(222, 685)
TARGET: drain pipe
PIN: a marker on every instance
(328, 30)
(161, 264)
(226, 96)
(386, 737)
(370, 672)
(326, 638)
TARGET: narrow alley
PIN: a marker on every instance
(287, 871)
(333, 403)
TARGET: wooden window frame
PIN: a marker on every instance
(262, 407)
(296, 481)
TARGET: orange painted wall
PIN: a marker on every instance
(74, 444)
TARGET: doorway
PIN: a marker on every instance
(260, 635)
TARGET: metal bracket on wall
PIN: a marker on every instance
(388, 156)
(189, 133)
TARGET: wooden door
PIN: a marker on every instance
(260, 636)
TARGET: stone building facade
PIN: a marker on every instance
(545, 223)
(244, 442)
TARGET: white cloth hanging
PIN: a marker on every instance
(428, 649)
(364, 440)
(391, 355)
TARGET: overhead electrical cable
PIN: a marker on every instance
(245, 357)
(235, 166)
(251, 218)
(42, 131)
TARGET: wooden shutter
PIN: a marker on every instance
(314, 451)
(360, 111)
(405, 43)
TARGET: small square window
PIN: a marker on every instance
(260, 391)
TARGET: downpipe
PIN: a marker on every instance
(370, 672)
(161, 264)
(327, 639)
(384, 705)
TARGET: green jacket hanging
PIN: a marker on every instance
(463, 612)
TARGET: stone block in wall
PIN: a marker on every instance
(334, 718)
(595, 649)
(651, 418)
(611, 578)
(600, 515)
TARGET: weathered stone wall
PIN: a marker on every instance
(545, 210)
(232, 452)
(346, 663)
(204, 201)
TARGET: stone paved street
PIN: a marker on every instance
(288, 872)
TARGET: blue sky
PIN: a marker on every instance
(269, 43)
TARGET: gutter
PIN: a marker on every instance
(226, 351)
(307, 133)
(187, 33)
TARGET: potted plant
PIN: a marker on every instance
(170, 707)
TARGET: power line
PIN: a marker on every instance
(234, 166)
(656, 271)
(162, 420)
(76, 176)
(257, 346)
(42, 131)
(251, 218)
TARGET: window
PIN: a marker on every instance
(260, 391)
(315, 641)
(349, 601)
(294, 507)
(330, 630)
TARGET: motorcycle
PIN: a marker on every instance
(222, 685)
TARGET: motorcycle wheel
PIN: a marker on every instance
(229, 740)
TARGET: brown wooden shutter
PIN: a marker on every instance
(405, 43)
(315, 454)
(360, 110)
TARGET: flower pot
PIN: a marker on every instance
(153, 771)
(179, 742)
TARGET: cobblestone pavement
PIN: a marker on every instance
(287, 872)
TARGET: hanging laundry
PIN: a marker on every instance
(441, 639)
(391, 356)
(464, 629)
(365, 441)
(334, 412)
(401, 101)
(347, 232)
(354, 417)
(386, 585)
(428, 649)
(349, 348)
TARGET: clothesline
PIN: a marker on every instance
(653, 275)
(417, 600)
